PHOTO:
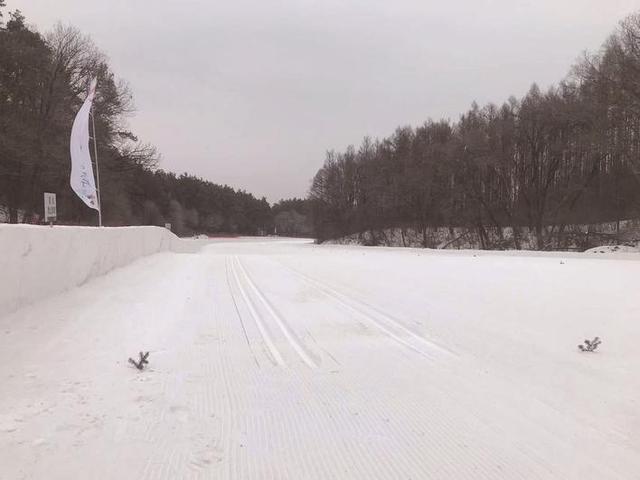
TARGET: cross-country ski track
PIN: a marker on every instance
(280, 359)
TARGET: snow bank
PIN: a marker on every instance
(615, 249)
(569, 237)
(39, 261)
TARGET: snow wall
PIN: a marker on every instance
(39, 261)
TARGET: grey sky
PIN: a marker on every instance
(253, 92)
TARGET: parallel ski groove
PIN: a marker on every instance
(235, 305)
(286, 330)
(361, 308)
(389, 318)
(277, 356)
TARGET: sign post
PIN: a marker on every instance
(50, 210)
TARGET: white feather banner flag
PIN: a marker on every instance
(82, 180)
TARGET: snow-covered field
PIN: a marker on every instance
(284, 360)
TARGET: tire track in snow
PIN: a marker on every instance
(275, 353)
(291, 337)
(370, 312)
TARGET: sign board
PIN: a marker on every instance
(50, 211)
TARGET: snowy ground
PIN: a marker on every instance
(285, 360)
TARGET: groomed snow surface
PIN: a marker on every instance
(275, 359)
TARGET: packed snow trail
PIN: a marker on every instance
(285, 360)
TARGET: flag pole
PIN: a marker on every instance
(95, 155)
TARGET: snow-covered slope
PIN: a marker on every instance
(284, 360)
(39, 261)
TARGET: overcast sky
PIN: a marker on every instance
(252, 93)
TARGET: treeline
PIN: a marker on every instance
(43, 82)
(292, 218)
(193, 205)
(564, 156)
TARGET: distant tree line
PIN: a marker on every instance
(565, 156)
(293, 218)
(43, 82)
